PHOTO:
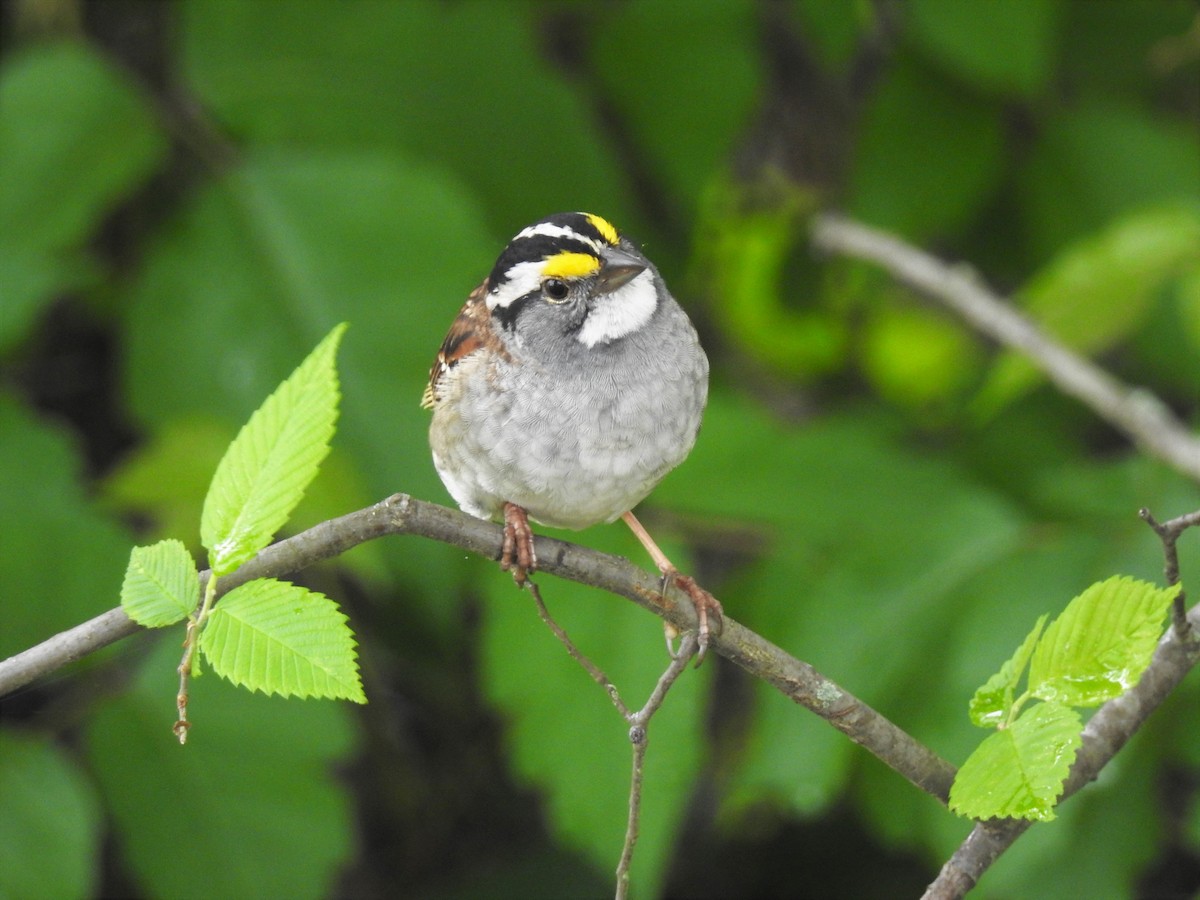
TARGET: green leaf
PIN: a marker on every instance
(1099, 290)
(264, 473)
(279, 638)
(1019, 771)
(1102, 642)
(165, 480)
(1005, 46)
(49, 822)
(265, 259)
(991, 703)
(161, 585)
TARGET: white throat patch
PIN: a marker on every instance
(622, 312)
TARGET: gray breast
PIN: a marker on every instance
(583, 438)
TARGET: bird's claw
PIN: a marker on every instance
(516, 552)
(705, 604)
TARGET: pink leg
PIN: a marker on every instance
(516, 553)
(704, 602)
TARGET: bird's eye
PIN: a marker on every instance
(555, 289)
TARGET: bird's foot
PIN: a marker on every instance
(708, 608)
(516, 553)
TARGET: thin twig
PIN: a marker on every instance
(1135, 411)
(639, 737)
(1168, 532)
(593, 670)
(183, 724)
(638, 722)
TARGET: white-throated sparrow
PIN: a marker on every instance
(569, 385)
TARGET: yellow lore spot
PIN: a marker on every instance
(571, 265)
(605, 227)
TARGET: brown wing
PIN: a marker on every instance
(471, 332)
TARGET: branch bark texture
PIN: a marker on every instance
(402, 514)
(1104, 735)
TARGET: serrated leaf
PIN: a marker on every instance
(994, 698)
(279, 638)
(1101, 644)
(1019, 772)
(161, 585)
(264, 473)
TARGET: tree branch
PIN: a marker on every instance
(401, 514)
(1135, 411)
(1103, 736)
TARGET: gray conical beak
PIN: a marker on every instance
(618, 270)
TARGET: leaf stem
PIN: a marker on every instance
(190, 661)
(1015, 709)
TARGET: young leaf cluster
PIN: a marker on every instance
(266, 635)
(1097, 649)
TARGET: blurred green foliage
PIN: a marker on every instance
(193, 193)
